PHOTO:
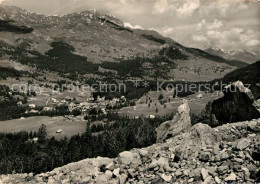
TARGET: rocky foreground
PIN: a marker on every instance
(229, 153)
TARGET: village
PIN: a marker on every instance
(76, 108)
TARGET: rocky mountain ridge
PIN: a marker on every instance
(90, 32)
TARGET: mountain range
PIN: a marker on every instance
(90, 42)
(243, 55)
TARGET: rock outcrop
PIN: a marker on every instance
(228, 153)
(236, 105)
(180, 123)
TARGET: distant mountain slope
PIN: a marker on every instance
(217, 58)
(93, 38)
(242, 55)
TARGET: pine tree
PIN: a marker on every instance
(88, 130)
(42, 133)
(160, 97)
(156, 110)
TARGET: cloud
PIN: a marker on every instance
(200, 38)
(188, 8)
(201, 24)
(215, 8)
(253, 43)
(200, 41)
(164, 7)
(215, 25)
(205, 25)
(132, 26)
(234, 38)
(225, 38)
(124, 2)
(167, 31)
(160, 6)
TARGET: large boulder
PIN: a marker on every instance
(180, 123)
(133, 160)
(236, 105)
(200, 136)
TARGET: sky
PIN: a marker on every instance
(226, 24)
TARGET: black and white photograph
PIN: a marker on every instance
(129, 91)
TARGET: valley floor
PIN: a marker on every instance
(68, 127)
(197, 103)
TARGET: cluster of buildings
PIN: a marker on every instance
(100, 104)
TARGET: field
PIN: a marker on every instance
(196, 104)
(69, 128)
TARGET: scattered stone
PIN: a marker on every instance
(241, 155)
(224, 155)
(30, 175)
(66, 181)
(186, 172)
(166, 178)
(178, 173)
(130, 159)
(205, 156)
(246, 173)
(123, 178)
(143, 152)
(190, 180)
(131, 172)
(222, 169)
(251, 135)
(231, 177)
(252, 125)
(86, 179)
(110, 166)
(103, 178)
(109, 173)
(172, 156)
(51, 180)
(196, 174)
(208, 180)
(243, 144)
(161, 163)
(116, 172)
(204, 173)
(248, 156)
(238, 160)
(217, 180)
(237, 167)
